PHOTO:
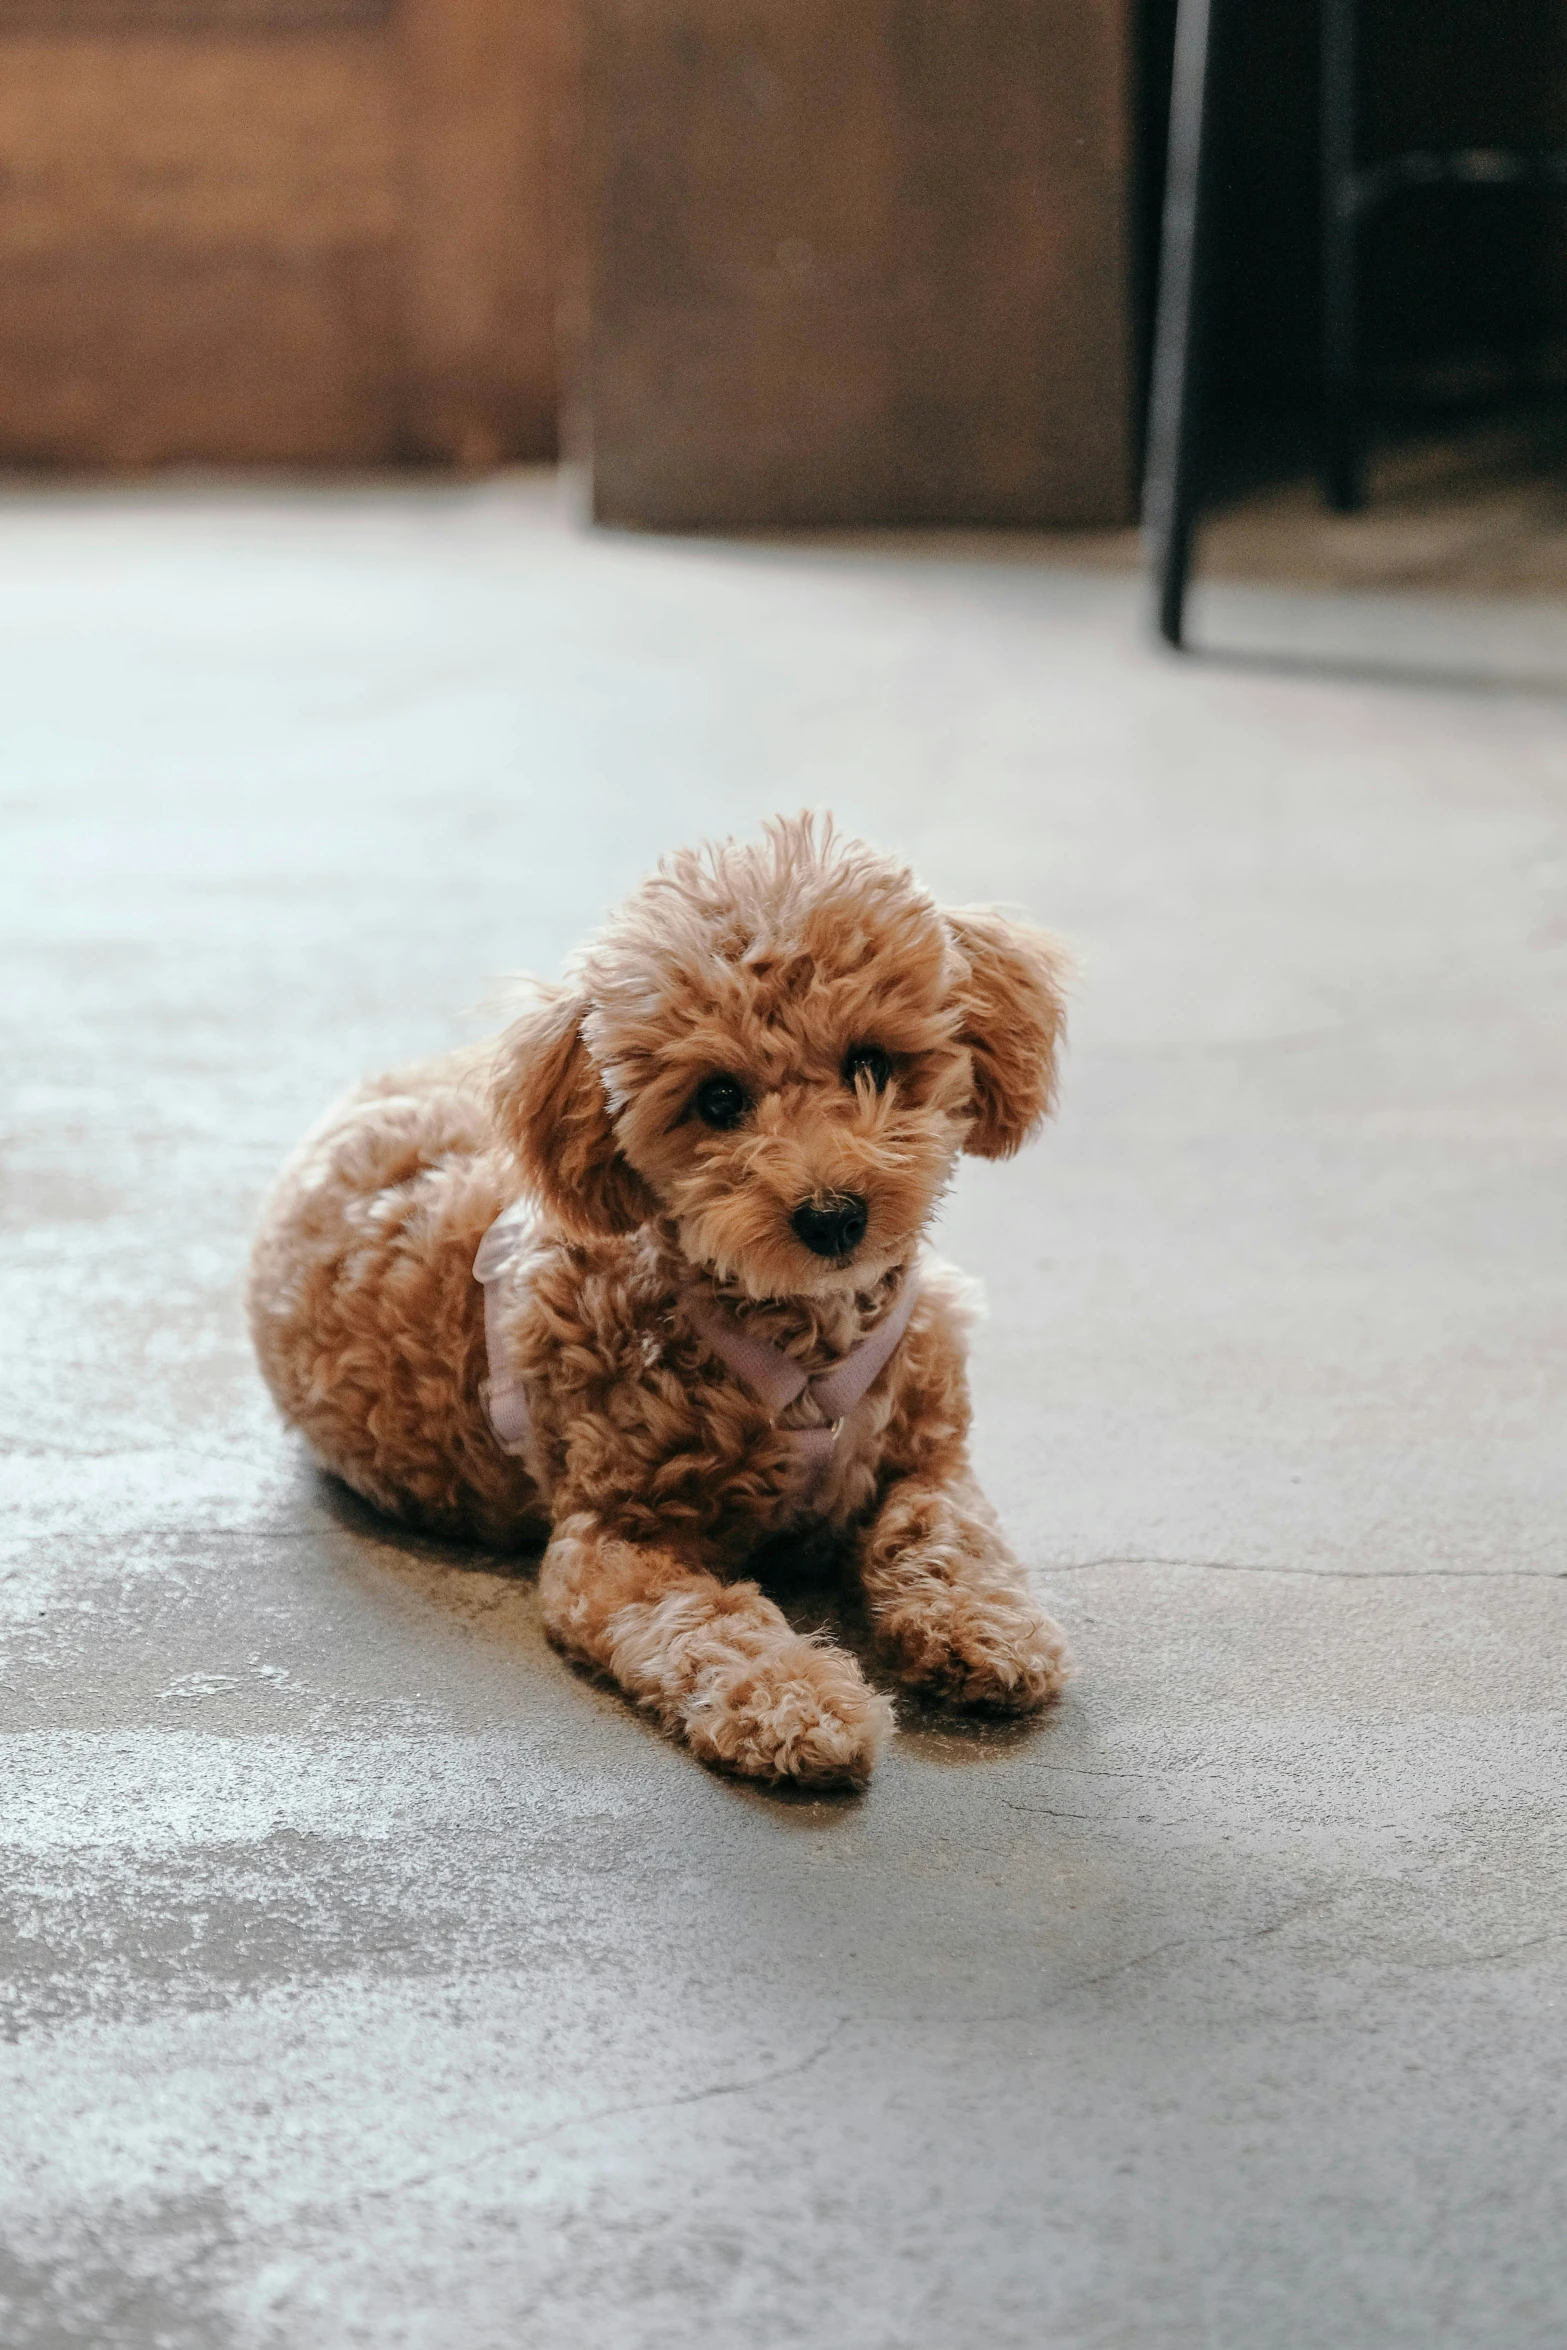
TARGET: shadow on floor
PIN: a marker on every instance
(809, 1580)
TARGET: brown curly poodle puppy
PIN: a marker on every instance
(700, 1172)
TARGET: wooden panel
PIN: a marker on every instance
(147, 357)
(279, 246)
(141, 17)
(481, 83)
(199, 250)
(199, 145)
(860, 264)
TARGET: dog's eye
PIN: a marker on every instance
(721, 1102)
(867, 1060)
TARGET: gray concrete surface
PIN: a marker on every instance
(367, 1979)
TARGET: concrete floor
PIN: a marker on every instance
(369, 1980)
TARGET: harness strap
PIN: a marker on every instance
(774, 1378)
(777, 1380)
(505, 1399)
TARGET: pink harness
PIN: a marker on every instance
(774, 1378)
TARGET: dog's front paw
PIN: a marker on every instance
(799, 1711)
(981, 1648)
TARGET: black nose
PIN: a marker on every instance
(836, 1228)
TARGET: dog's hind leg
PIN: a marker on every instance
(950, 1606)
(717, 1663)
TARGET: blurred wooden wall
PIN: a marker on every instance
(887, 261)
(276, 231)
(861, 263)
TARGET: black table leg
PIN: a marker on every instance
(1341, 457)
(1172, 489)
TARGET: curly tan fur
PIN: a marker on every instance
(661, 1475)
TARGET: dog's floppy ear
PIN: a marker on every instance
(1013, 1015)
(549, 1102)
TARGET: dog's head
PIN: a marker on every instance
(782, 1048)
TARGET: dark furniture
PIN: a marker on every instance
(1352, 193)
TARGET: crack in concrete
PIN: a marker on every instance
(1118, 1823)
(1047, 1811)
(608, 2113)
(1437, 1966)
(1250, 1934)
(1126, 1966)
